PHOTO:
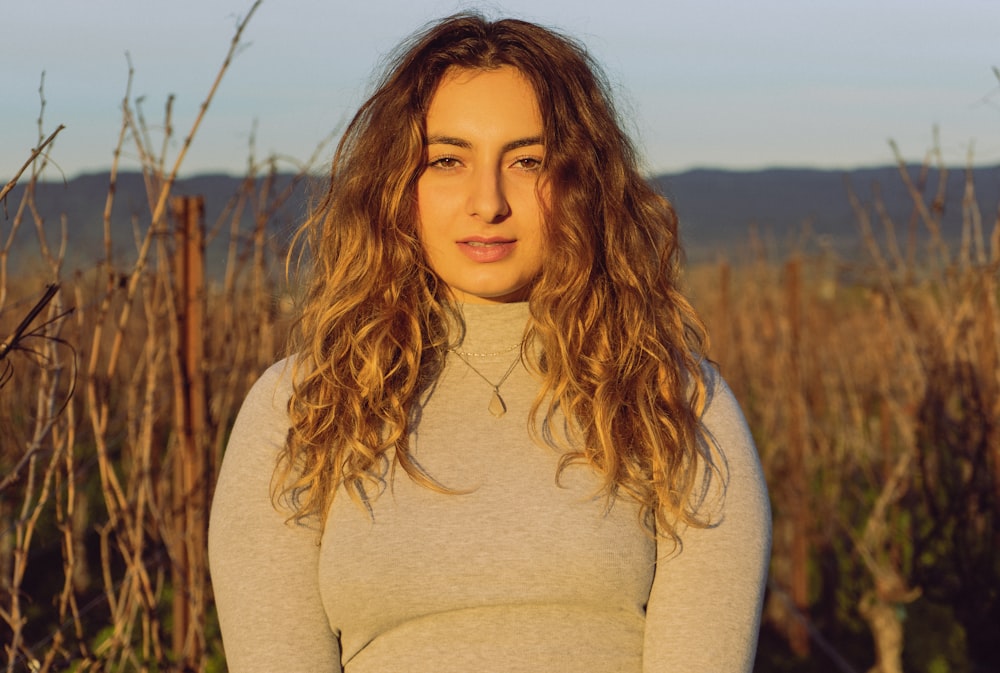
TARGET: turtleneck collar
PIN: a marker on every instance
(491, 328)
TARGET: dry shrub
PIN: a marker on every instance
(106, 471)
(872, 391)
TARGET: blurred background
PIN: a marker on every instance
(836, 168)
(719, 84)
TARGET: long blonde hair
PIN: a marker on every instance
(621, 350)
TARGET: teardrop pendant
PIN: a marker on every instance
(497, 407)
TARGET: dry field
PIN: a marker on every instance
(873, 392)
(872, 388)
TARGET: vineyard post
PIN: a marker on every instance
(190, 502)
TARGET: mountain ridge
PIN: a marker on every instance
(717, 208)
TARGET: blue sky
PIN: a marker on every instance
(709, 83)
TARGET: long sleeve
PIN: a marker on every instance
(264, 570)
(703, 614)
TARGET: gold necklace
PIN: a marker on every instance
(488, 355)
(497, 406)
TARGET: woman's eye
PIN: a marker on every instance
(528, 163)
(445, 162)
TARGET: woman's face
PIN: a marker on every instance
(480, 220)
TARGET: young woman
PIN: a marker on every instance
(498, 445)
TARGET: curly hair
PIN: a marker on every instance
(619, 350)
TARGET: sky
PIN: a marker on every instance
(734, 84)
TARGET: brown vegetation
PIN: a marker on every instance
(115, 403)
(872, 388)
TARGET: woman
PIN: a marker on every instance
(503, 449)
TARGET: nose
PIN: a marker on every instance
(487, 197)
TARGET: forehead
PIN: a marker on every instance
(479, 97)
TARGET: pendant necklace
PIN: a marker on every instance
(497, 406)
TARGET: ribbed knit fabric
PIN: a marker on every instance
(511, 573)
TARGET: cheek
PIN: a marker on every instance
(424, 225)
(424, 218)
(432, 206)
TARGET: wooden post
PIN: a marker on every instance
(798, 439)
(190, 504)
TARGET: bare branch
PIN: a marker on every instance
(34, 155)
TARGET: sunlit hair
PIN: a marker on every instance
(618, 348)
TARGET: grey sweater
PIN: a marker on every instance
(516, 573)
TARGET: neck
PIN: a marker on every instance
(489, 328)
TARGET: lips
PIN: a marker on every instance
(484, 250)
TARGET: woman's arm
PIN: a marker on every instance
(703, 614)
(264, 570)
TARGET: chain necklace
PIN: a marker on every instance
(487, 355)
(497, 406)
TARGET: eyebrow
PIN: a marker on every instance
(465, 144)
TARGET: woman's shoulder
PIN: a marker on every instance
(733, 442)
(265, 407)
(273, 387)
(721, 405)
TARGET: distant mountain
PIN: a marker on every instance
(717, 209)
(81, 203)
